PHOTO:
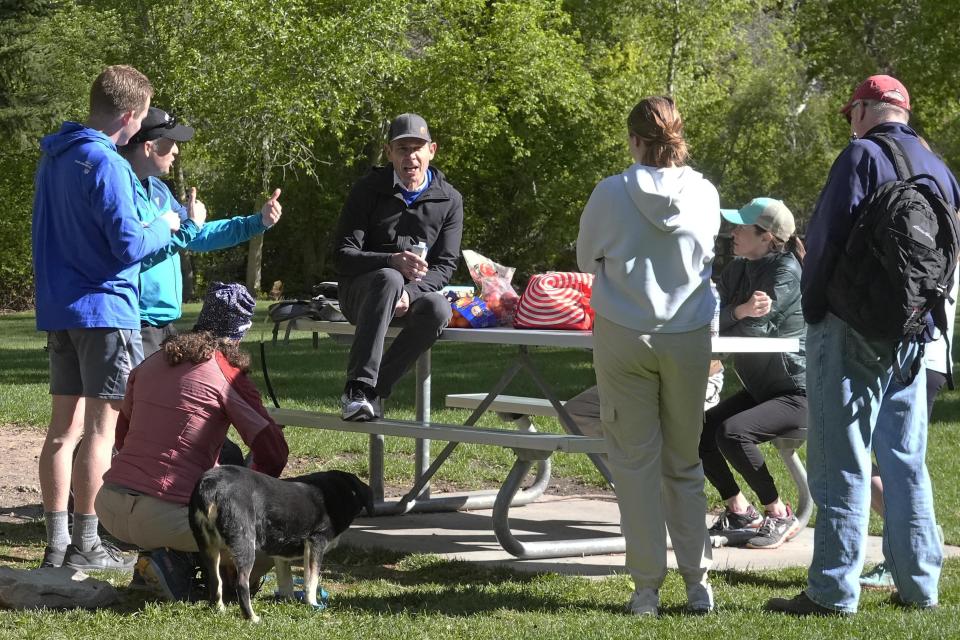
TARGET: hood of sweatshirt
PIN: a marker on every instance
(657, 193)
(71, 134)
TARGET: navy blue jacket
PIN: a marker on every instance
(858, 171)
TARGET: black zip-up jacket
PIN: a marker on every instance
(376, 222)
(766, 375)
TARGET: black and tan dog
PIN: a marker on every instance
(243, 513)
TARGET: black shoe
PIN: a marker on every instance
(52, 558)
(355, 403)
(896, 601)
(101, 557)
(775, 531)
(801, 605)
(732, 521)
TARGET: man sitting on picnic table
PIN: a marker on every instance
(383, 279)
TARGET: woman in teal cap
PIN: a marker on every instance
(760, 297)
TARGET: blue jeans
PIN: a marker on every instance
(857, 403)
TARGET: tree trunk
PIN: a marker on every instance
(188, 276)
(255, 248)
(674, 50)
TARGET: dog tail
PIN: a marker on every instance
(202, 514)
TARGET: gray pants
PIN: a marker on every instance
(368, 302)
(152, 337)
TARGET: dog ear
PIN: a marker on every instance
(363, 493)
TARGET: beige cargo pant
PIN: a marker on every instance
(652, 388)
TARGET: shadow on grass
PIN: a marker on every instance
(780, 580)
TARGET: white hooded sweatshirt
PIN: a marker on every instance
(648, 236)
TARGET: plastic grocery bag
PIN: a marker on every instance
(493, 280)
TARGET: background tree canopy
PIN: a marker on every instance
(526, 98)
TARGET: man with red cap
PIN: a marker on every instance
(859, 400)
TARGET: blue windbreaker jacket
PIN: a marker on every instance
(161, 280)
(88, 237)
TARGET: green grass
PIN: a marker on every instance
(383, 594)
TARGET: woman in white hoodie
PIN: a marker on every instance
(648, 236)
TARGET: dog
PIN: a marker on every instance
(240, 512)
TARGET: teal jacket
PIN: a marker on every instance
(161, 280)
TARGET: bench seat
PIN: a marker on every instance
(530, 447)
(520, 408)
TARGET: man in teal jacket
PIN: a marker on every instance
(151, 153)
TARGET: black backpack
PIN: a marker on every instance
(898, 263)
(316, 308)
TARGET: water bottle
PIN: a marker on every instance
(421, 250)
(715, 323)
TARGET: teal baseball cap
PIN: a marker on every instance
(767, 213)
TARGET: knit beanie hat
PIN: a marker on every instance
(227, 311)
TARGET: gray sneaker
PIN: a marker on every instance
(354, 404)
(52, 558)
(879, 578)
(101, 557)
(644, 602)
(775, 531)
(699, 598)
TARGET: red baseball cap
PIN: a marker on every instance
(880, 88)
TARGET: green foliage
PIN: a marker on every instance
(527, 100)
(50, 53)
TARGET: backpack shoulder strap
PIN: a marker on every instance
(893, 149)
(901, 162)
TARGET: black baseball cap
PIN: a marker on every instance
(409, 125)
(160, 124)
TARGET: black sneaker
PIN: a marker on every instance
(732, 521)
(775, 531)
(171, 574)
(101, 557)
(52, 558)
(801, 605)
(355, 404)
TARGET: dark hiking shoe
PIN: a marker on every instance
(169, 573)
(775, 531)
(801, 605)
(52, 558)
(896, 601)
(732, 521)
(101, 557)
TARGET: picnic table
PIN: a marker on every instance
(531, 448)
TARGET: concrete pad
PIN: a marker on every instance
(468, 535)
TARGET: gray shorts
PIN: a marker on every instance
(93, 363)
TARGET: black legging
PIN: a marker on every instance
(733, 429)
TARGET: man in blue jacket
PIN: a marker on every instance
(856, 400)
(88, 241)
(151, 153)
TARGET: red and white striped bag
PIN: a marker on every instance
(556, 300)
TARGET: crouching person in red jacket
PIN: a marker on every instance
(178, 406)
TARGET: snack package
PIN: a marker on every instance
(469, 312)
(493, 280)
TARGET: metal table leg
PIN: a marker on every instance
(568, 423)
(540, 548)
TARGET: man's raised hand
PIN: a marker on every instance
(272, 210)
(196, 210)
